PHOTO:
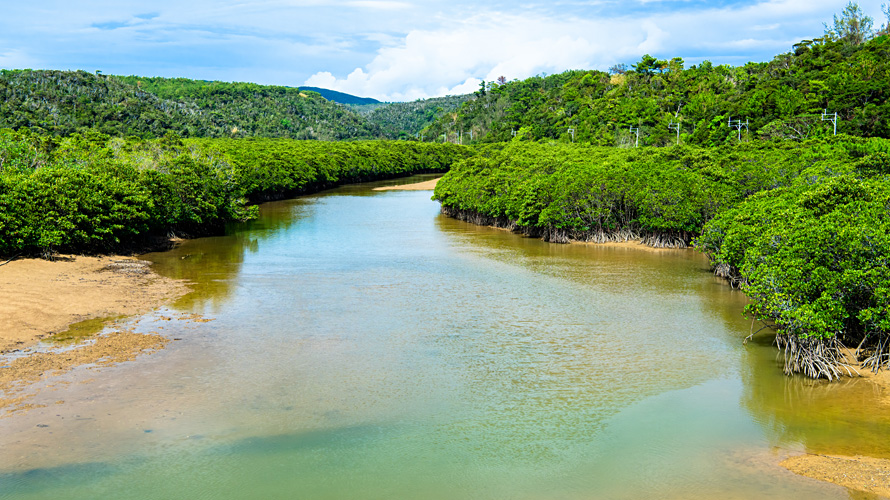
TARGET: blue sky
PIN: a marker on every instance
(393, 49)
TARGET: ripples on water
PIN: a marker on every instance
(364, 346)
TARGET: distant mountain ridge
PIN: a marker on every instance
(341, 97)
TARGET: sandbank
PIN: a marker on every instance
(871, 475)
(39, 298)
(417, 186)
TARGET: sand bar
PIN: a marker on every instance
(871, 475)
(39, 297)
(417, 186)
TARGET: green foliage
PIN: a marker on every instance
(92, 193)
(781, 99)
(852, 25)
(804, 227)
(407, 119)
(813, 257)
(66, 102)
(663, 195)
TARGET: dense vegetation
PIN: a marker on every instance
(95, 193)
(783, 99)
(798, 217)
(408, 119)
(801, 227)
(251, 110)
(66, 102)
(813, 256)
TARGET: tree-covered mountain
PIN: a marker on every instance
(784, 98)
(408, 119)
(65, 102)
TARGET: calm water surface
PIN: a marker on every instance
(362, 346)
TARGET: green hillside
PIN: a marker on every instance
(65, 102)
(780, 99)
(408, 119)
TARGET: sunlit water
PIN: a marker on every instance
(365, 347)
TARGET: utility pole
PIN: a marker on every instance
(637, 130)
(572, 131)
(738, 124)
(830, 118)
(513, 132)
(675, 126)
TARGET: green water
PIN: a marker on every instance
(364, 346)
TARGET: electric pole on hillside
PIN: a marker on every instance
(738, 124)
(572, 131)
(637, 130)
(675, 126)
(826, 117)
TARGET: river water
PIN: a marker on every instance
(363, 346)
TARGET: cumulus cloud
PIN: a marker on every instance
(455, 57)
(396, 49)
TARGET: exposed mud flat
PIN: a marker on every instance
(39, 298)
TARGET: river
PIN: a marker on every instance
(363, 346)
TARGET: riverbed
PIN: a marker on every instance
(358, 344)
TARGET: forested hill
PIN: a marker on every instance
(64, 102)
(783, 98)
(408, 119)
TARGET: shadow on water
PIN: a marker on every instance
(35, 481)
(342, 437)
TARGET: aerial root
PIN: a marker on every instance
(876, 355)
(814, 357)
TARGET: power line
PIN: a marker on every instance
(675, 126)
(637, 129)
(832, 119)
(738, 124)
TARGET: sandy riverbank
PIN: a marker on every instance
(417, 186)
(39, 298)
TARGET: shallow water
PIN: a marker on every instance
(364, 346)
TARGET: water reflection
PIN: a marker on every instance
(847, 417)
(364, 346)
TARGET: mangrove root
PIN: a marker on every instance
(559, 235)
(875, 356)
(814, 357)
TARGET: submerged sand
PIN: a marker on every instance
(871, 475)
(417, 186)
(39, 298)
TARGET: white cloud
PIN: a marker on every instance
(455, 56)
